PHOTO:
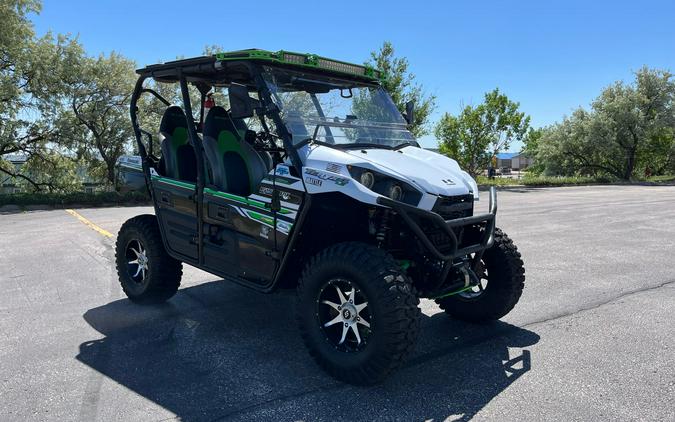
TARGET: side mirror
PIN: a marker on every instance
(410, 112)
(241, 105)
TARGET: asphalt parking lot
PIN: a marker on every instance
(593, 337)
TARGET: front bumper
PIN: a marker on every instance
(410, 214)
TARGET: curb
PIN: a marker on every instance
(15, 209)
(513, 187)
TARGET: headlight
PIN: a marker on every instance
(367, 179)
(395, 192)
(386, 185)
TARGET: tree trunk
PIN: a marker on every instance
(630, 164)
(110, 166)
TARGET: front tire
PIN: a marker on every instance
(502, 282)
(146, 271)
(357, 312)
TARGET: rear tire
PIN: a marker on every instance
(357, 312)
(146, 272)
(505, 283)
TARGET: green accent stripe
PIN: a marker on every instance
(267, 219)
(212, 192)
(174, 182)
(263, 218)
(243, 200)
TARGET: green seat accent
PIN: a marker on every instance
(228, 142)
(236, 167)
(179, 138)
(178, 155)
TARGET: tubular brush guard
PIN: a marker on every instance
(447, 226)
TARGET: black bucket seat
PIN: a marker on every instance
(235, 166)
(178, 155)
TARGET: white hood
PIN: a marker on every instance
(434, 173)
(430, 172)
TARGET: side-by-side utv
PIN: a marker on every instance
(298, 171)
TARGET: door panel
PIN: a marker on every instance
(238, 244)
(177, 213)
(240, 237)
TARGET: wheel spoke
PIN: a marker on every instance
(331, 304)
(363, 322)
(135, 261)
(140, 267)
(360, 307)
(143, 272)
(135, 251)
(345, 329)
(333, 321)
(340, 295)
(352, 295)
(356, 333)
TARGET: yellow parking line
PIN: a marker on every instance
(90, 224)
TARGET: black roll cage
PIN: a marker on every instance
(200, 72)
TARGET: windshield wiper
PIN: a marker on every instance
(405, 144)
(361, 145)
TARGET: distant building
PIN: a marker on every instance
(513, 160)
(8, 183)
(505, 159)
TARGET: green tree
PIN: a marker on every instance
(479, 133)
(100, 90)
(628, 130)
(54, 169)
(531, 146)
(31, 85)
(401, 85)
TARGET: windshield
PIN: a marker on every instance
(336, 112)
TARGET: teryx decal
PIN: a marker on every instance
(340, 181)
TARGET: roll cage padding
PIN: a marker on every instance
(178, 155)
(235, 166)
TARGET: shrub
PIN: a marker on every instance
(61, 200)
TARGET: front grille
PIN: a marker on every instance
(452, 207)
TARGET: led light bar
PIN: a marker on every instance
(306, 60)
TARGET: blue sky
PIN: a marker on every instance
(551, 56)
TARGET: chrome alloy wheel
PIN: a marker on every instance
(344, 316)
(137, 265)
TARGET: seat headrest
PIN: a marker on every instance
(172, 118)
(217, 121)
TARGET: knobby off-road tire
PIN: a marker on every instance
(155, 276)
(387, 324)
(505, 282)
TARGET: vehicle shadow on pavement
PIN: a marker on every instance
(221, 352)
